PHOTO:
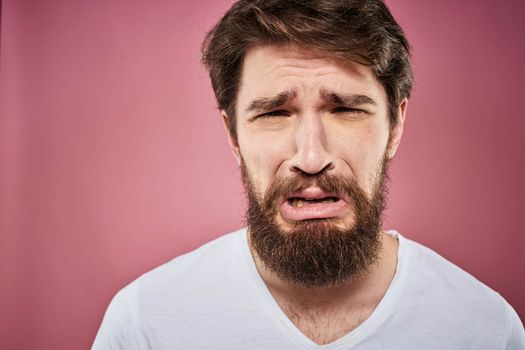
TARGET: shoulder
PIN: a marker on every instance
(165, 290)
(447, 292)
(119, 325)
(211, 255)
(424, 264)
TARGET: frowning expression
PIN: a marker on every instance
(299, 111)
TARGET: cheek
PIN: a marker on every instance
(263, 157)
(362, 150)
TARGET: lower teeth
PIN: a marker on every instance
(297, 203)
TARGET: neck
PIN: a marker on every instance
(366, 289)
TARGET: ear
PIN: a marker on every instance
(397, 130)
(234, 144)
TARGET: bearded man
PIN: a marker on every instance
(314, 96)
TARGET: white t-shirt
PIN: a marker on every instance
(214, 298)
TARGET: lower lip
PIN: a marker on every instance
(313, 210)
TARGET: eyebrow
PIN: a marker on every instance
(347, 100)
(267, 103)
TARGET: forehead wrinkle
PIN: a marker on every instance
(301, 70)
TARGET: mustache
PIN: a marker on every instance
(330, 183)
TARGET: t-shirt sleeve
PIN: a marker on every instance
(117, 331)
(515, 334)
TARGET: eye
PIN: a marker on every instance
(276, 113)
(349, 110)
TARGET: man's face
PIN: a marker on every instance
(313, 139)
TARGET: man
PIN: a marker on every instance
(314, 96)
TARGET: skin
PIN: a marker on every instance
(311, 132)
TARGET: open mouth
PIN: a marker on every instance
(313, 203)
(298, 202)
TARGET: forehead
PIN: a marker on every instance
(306, 72)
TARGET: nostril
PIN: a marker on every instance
(298, 169)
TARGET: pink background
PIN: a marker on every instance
(113, 158)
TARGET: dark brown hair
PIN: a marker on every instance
(363, 31)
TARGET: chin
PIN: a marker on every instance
(315, 226)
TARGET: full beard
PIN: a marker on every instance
(317, 252)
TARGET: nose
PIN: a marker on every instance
(311, 156)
